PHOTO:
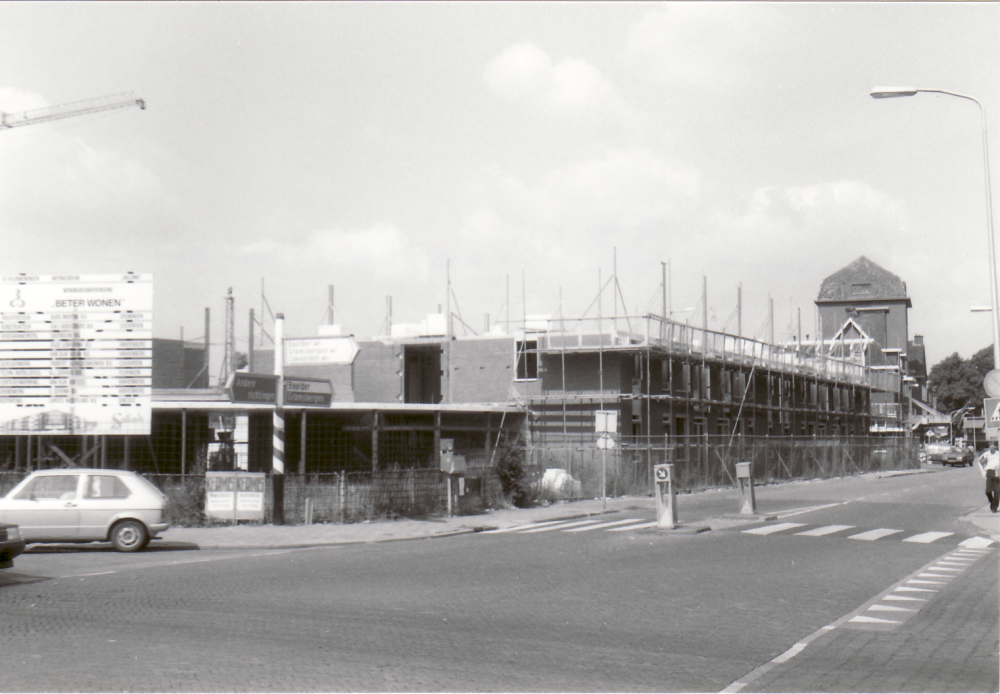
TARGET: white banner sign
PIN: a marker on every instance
(320, 350)
(76, 354)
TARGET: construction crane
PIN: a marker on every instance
(77, 108)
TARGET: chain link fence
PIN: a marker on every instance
(410, 492)
(707, 462)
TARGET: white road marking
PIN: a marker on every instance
(904, 598)
(560, 526)
(925, 538)
(873, 620)
(938, 567)
(889, 608)
(976, 542)
(929, 583)
(181, 562)
(517, 528)
(808, 509)
(604, 525)
(907, 589)
(825, 530)
(633, 527)
(768, 529)
(874, 534)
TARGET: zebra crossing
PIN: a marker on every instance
(849, 532)
(868, 535)
(577, 526)
(905, 600)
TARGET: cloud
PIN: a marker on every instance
(14, 100)
(381, 252)
(575, 208)
(704, 45)
(831, 215)
(571, 91)
(77, 193)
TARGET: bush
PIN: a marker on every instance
(513, 472)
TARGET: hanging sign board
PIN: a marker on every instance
(249, 389)
(321, 350)
(308, 391)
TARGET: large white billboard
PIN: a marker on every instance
(76, 354)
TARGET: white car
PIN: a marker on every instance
(83, 505)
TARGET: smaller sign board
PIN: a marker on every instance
(235, 495)
(991, 411)
(308, 391)
(661, 473)
(247, 388)
(607, 421)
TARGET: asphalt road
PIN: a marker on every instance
(565, 607)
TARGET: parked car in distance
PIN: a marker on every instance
(11, 545)
(947, 454)
(86, 505)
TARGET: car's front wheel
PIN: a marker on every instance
(129, 536)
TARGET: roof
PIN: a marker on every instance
(862, 281)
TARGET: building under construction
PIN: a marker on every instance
(679, 394)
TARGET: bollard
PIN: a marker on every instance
(309, 512)
(666, 496)
(748, 504)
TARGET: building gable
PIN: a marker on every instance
(862, 281)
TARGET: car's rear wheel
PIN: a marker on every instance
(129, 536)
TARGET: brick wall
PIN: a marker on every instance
(482, 369)
(176, 365)
(376, 372)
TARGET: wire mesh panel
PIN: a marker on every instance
(395, 493)
(703, 462)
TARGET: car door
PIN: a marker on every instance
(104, 496)
(46, 507)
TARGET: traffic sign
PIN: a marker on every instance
(606, 422)
(605, 442)
(991, 411)
(991, 382)
(321, 350)
(308, 391)
(661, 472)
(250, 389)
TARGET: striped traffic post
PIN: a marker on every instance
(278, 428)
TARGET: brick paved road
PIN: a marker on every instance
(549, 611)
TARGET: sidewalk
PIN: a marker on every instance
(287, 536)
(697, 511)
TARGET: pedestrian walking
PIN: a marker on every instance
(989, 465)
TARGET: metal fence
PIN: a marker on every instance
(700, 463)
(710, 461)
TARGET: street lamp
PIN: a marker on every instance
(892, 92)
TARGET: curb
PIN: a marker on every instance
(406, 538)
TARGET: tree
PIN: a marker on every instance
(956, 382)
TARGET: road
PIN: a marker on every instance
(781, 605)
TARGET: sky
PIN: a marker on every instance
(528, 152)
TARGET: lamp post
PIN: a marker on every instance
(892, 92)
